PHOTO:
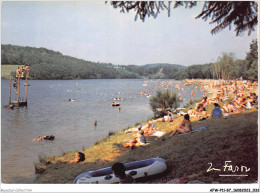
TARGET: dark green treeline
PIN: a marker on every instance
(48, 64)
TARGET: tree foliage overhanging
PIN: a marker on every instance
(48, 64)
(241, 14)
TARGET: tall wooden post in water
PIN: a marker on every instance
(10, 89)
(19, 75)
(18, 90)
(26, 89)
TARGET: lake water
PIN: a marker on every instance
(49, 111)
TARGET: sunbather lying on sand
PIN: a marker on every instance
(136, 141)
(192, 112)
(131, 129)
(157, 120)
(229, 107)
(202, 113)
(149, 129)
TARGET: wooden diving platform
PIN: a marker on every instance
(18, 103)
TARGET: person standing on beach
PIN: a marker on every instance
(18, 72)
(22, 71)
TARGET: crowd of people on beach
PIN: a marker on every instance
(235, 96)
(227, 97)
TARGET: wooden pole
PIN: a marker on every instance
(18, 90)
(10, 89)
(26, 89)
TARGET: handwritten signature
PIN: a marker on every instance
(228, 167)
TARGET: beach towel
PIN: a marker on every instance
(226, 115)
(194, 130)
(199, 128)
(135, 144)
(131, 130)
(204, 118)
(158, 134)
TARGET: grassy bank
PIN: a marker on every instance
(233, 139)
(7, 69)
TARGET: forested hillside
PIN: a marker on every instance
(48, 64)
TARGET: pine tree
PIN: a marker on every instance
(241, 14)
(163, 101)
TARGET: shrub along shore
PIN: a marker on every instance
(232, 139)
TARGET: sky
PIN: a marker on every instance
(95, 31)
